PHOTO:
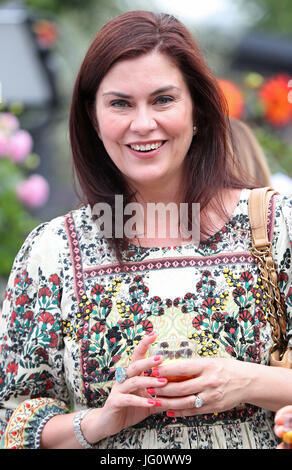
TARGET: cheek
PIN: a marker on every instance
(180, 125)
(111, 129)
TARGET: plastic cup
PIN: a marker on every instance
(174, 349)
(287, 432)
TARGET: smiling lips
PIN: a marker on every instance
(146, 147)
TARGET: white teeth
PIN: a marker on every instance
(147, 147)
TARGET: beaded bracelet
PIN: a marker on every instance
(78, 431)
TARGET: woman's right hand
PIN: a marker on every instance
(279, 422)
(129, 402)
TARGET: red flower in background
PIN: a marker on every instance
(234, 98)
(46, 33)
(274, 97)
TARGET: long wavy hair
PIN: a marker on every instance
(131, 35)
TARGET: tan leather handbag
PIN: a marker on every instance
(281, 355)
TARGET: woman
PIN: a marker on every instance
(147, 122)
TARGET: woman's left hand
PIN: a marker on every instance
(221, 384)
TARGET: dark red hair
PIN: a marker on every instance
(131, 35)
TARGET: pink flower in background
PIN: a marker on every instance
(33, 192)
(9, 122)
(20, 146)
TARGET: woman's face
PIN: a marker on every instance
(144, 115)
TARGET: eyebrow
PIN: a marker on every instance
(156, 92)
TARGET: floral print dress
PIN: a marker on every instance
(71, 316)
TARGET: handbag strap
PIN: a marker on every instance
(258, 207)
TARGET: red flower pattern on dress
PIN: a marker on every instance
(245, 316)
(45, 292)
(13, 317)
(46, 318)
(261, 316)
(198, 321)
(107, 304)
(28, 315)
(147, 326)
(17, 280)
(54, 339)
(219, 317)
(136, 309)
(54, 279)
(189, 296)
(49, 385)
(97, 290)
(22, 300)
(12, 368)
(126, 324)
(247, 277)
(98, 328)
(209, 303)
(238, 292)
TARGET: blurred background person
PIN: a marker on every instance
(249, 161)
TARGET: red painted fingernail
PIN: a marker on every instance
(157, 358)
(151, 402)
(155, 373)
(170, 414)
(151, 391)
(152, 334)
(158, 403)
(162, 379)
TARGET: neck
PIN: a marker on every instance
(161, 215)
(164, 192)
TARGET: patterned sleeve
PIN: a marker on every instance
(282, 248)
(32, 385)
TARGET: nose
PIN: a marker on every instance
(143, 121)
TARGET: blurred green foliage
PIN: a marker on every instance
(15, 220)
(272, 15)
(57, 6)
(277, 150)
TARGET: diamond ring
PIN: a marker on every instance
(121, 374)
(198, 401)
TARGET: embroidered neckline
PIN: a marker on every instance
(243, 197)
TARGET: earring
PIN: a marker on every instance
(195, 130)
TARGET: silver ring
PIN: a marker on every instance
(121, 374)
(198, 401)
